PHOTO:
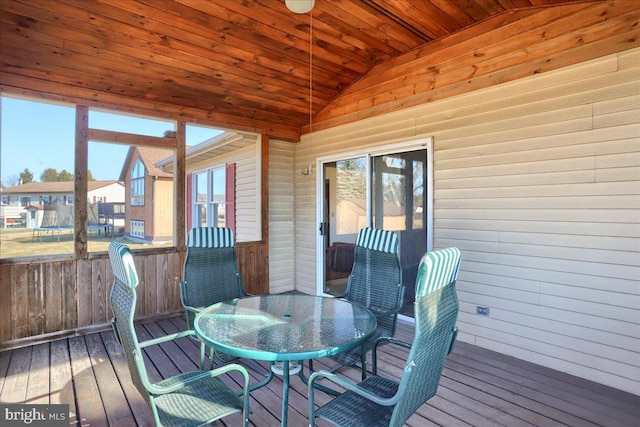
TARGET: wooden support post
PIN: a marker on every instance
(264, 182)
(81, 218)
(179, 189)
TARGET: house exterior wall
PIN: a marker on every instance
(281, 217)
(38, 198)
(247, 197)
(110, 193)
(537, 181)
(162, 210)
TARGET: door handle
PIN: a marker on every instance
(323, 229)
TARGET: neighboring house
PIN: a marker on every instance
(148, 195)
(223, 186)
(42, 193)
(39, 194)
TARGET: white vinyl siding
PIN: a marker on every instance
(248, 186)
(281, 217)
(537, 181)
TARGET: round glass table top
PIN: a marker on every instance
(284, 326)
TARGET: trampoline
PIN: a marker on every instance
(58, 218)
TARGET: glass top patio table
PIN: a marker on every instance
(284, 327)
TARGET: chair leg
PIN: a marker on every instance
(202, 353)
(363, 364)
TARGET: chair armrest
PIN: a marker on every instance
(243, 291)
(380, 313)
(182, 296)
(166, 338)
(389, 340)
(347, 289)
(203, 375)
(351, 386)
(453, 340)
(394, 311)
(194, 310)
(183, 300)
(381, 341)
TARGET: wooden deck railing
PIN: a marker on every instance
(48, 298)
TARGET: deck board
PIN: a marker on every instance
(89, 407)
(61, 389)
(38, 383)
(478, 388)
(14, 389)
(135, 401)
(113, 399)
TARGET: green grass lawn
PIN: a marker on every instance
(20, 242)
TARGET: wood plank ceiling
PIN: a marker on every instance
(244, 63)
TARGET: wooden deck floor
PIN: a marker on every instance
(478, 388)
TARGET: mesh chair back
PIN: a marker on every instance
(376, 277)
(210, 269)
(436, 313)
(123, 304)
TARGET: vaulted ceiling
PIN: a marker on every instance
(245, 64)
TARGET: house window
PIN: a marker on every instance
(137, 229)
(209, 198)
(25, 201)
(5, 200)
(68, 199)
(137, 184)
(200, 199)
(217, 197)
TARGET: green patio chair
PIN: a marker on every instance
(380, 401)
(193, 398)
(376, 283)
(210, 274)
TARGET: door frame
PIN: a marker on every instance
(422, 143)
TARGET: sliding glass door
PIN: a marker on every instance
(399, 204)
(345, 213)
(388, 190)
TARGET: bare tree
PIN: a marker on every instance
(12, 180)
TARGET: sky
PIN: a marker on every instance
(38, 136)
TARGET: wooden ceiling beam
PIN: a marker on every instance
(111, 137)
